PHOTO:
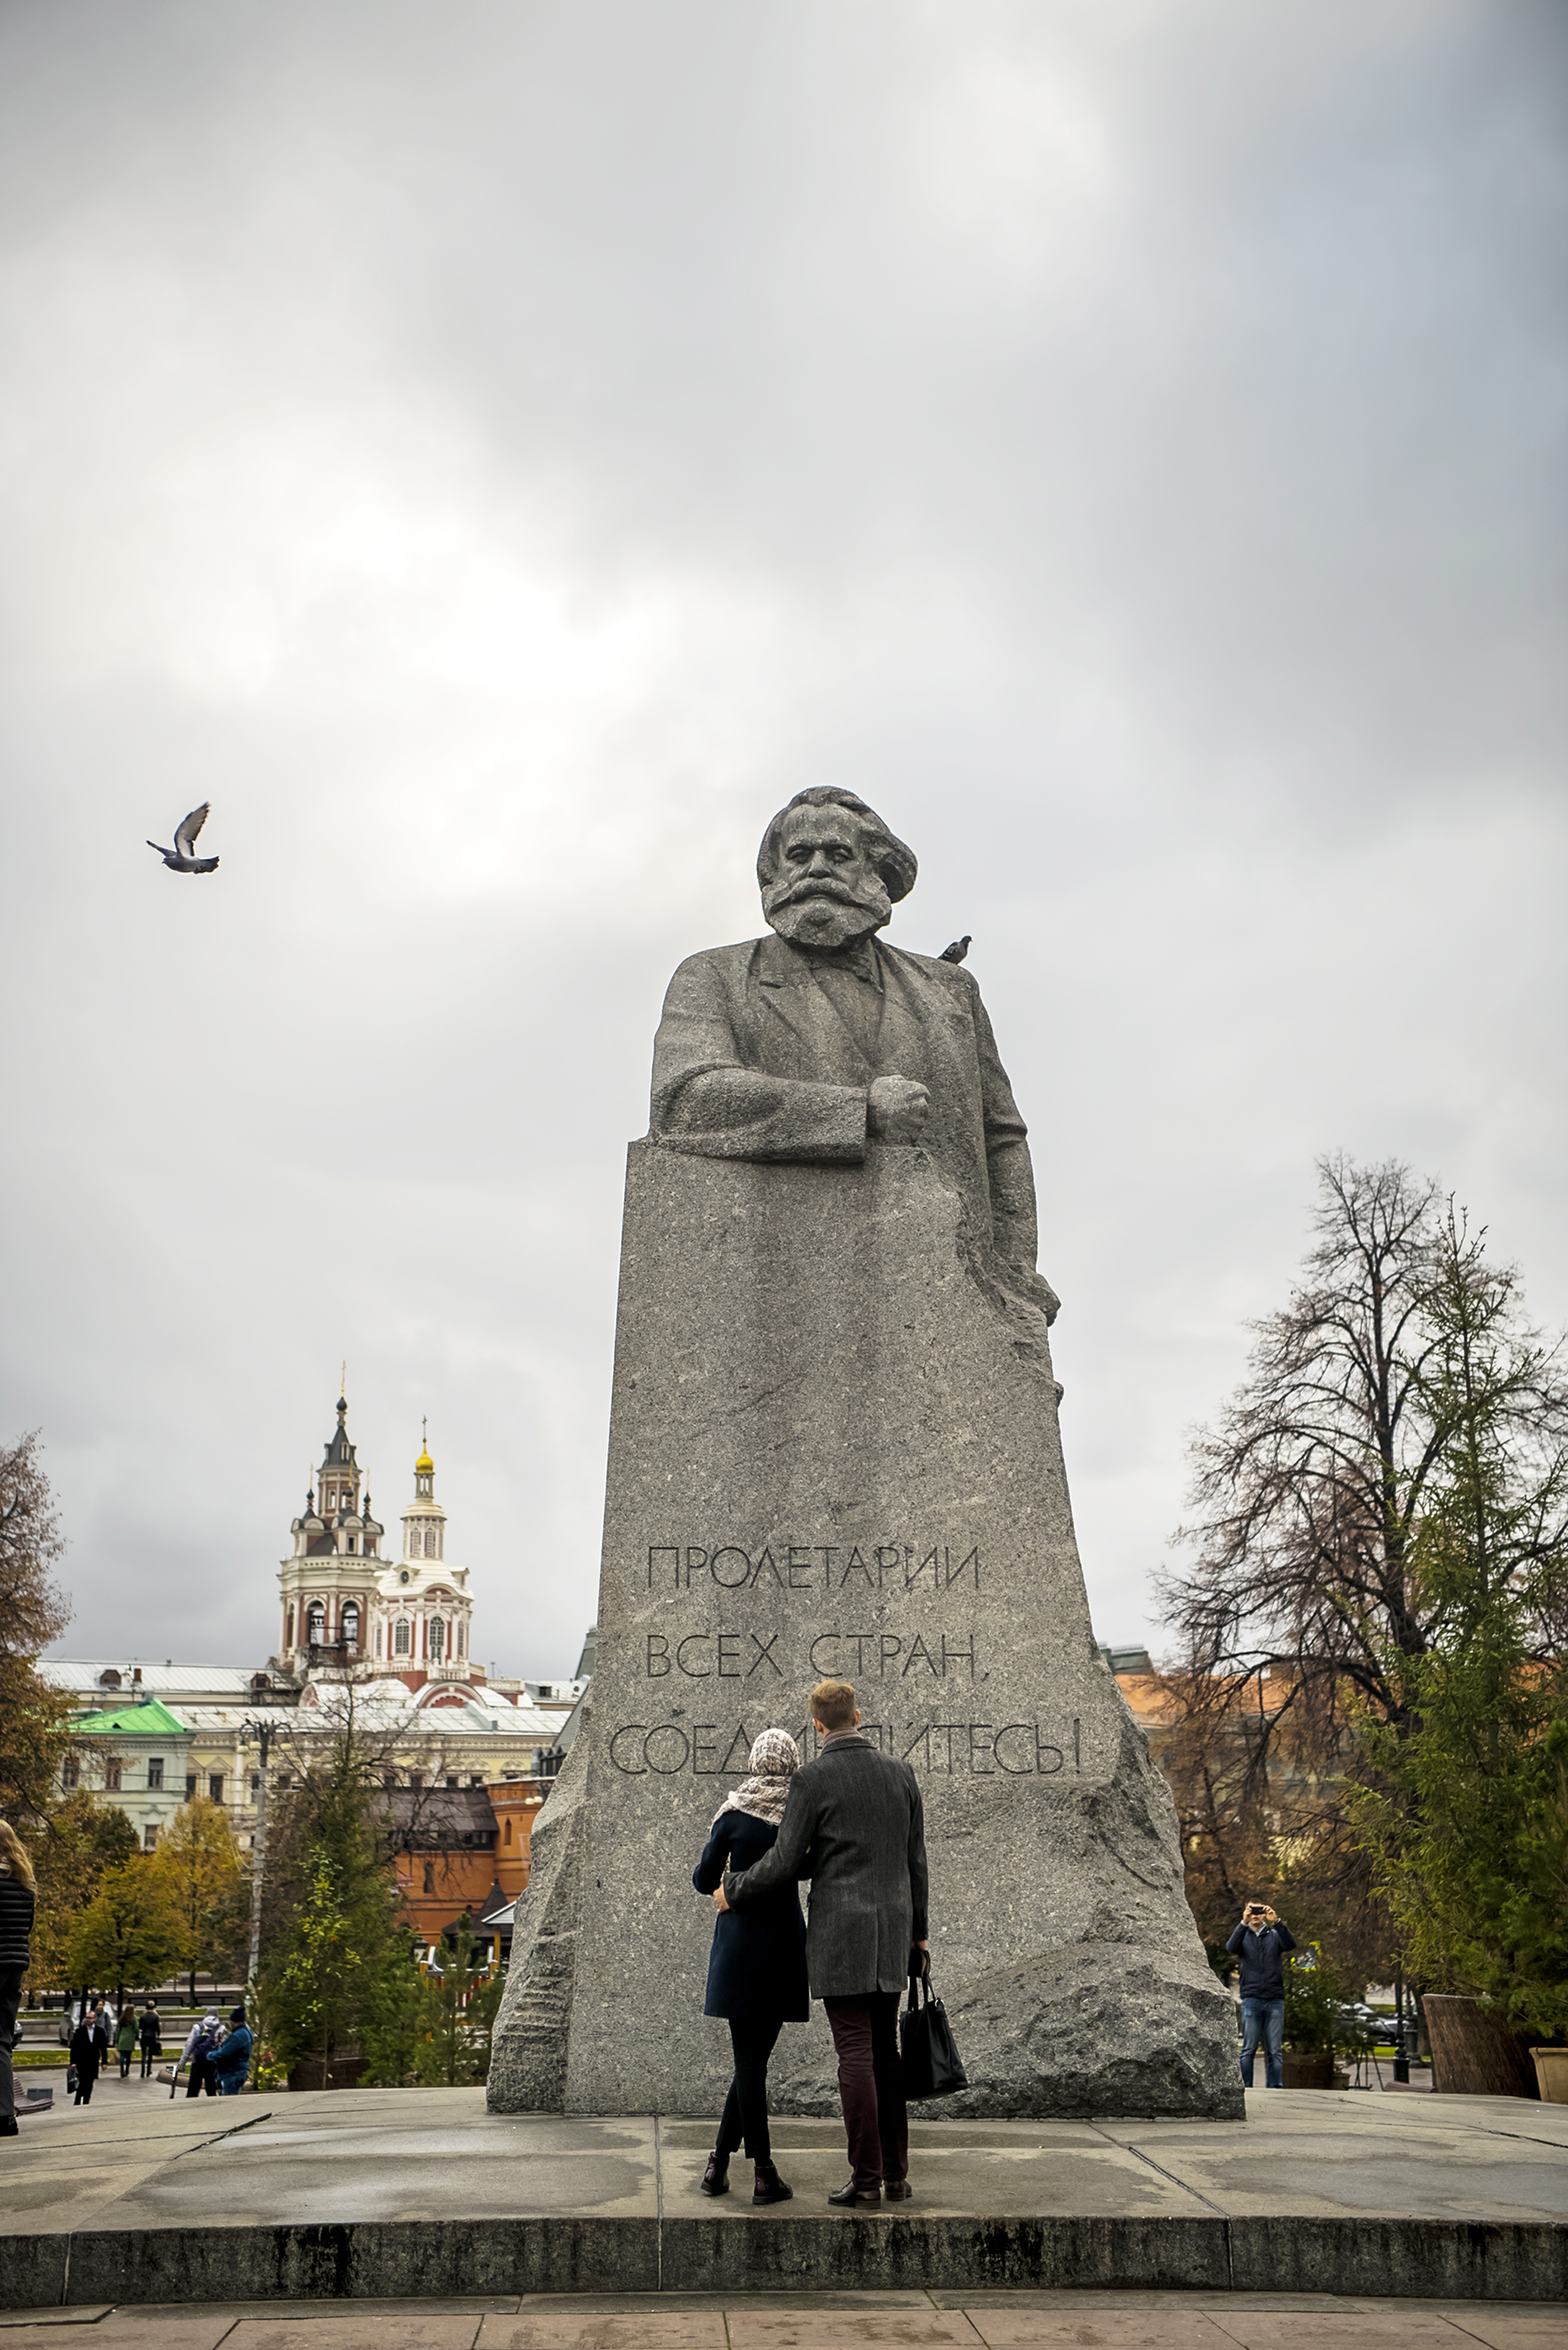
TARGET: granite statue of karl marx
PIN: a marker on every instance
(819, 1041)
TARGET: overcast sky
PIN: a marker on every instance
(497, 453)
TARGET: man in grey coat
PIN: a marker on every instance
(856, 1827)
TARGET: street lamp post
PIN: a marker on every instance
(263, 1733)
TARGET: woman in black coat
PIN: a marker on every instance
(17, 1891)
(757, 1967)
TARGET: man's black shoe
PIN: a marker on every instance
(715, 2179)
(770, 2188)
(850, 2193)
(9, 2126)
(895, 2190)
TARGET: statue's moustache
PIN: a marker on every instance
(794, 893)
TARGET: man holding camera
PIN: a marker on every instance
(1260, 1942)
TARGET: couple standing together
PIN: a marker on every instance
(852, 1822)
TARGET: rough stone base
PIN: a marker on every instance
(834, 1448)
(528, 2063)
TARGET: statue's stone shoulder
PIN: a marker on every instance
(950, 975)
(734, 957)
(726, 968)
(733, 963)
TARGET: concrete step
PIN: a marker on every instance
(369, 2193)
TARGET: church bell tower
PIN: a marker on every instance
(328, 1583)
(423, 1610)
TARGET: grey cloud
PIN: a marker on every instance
(497, 455)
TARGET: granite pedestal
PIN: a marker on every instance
(833, 1449)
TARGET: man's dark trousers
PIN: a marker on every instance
(870, 2086)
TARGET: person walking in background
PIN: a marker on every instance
(855, 1824)
(87, 2047)
(1260, 1942)
(125, 2038)
(152, 2038)
(18, 1898)
(230, 2063)
(757, 1966)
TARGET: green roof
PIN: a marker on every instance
(148, 1720)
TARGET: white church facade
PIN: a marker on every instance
(348, 1606)
(390, 1631)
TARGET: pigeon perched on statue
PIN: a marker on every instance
(179, 859)
(956, 953)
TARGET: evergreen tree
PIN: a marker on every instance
(1466, 1810)
(464, 2007)
(333, 1938)
(402, 2032)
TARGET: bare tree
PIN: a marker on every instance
(1310, 1493)
(1263, 1817)
(1306, 1490)
(350, 1748)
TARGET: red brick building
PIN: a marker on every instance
(461, 1848)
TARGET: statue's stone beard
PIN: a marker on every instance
(823, 915)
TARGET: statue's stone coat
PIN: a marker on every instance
(766, 1052)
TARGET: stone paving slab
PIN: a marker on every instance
(1075, 2173)
(363, 2194)
(1015, 2322)
(1427, 2171)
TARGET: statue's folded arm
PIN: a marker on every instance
(728, 1112)
(710, 1098)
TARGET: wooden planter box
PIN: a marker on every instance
(1551, 2075)
(1473, 2053)
(342, 2071)
(1309, 2072)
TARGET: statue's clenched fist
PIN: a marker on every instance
(897, 1109)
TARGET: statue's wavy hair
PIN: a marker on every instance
(893, 860)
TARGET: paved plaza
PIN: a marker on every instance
(381, 2194)
(1019, 2321)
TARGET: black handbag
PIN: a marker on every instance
(927, 2050)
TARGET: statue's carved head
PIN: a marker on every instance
(830, 870)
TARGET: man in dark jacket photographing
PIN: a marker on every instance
(1260, 1942)
(855, 1824)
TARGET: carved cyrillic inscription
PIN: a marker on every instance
(814, 1567)
(770, 1663)
(721, 1655)
(944, 1749)
(706, 1655)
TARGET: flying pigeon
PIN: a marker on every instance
(179, 859)
(955, 953)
